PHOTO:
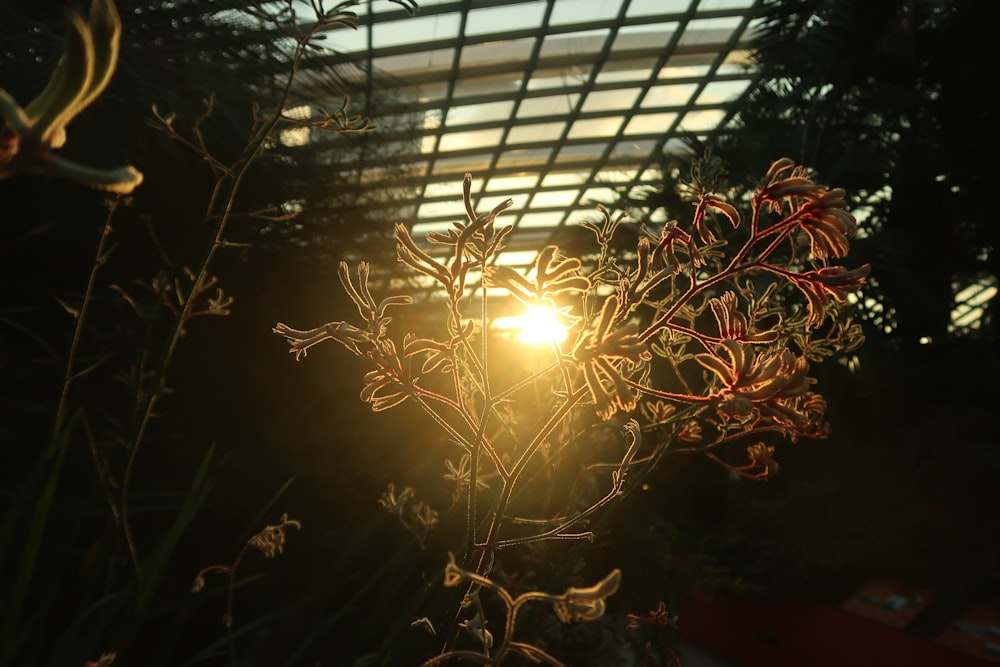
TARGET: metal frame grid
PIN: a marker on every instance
(556, 104)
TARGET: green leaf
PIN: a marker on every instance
(154, 566)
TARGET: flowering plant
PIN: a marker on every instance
(697, 340)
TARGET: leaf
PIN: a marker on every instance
(154, 566)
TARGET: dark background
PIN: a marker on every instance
(904, 488)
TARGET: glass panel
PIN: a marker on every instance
(488, 85)
(563, 178)
(490, 202)
(580, 152)
(595, 127)
(700, 121)
(517, 258)
(724, 4)
(717, 92)
(415, 29)
(346, 41)
(622, 175)
(579, 11)
(450, 188)
(631, 70)
(574, 43)
(432, 91)
(502, 19)
(556, 198)
(668, 96)
(414, 62)
(608, 100)
(654, 123)
(540, 220)
(439, 209)
(523, 157)
(653, 36)
(563, 78)
(599, 196)
(636, 150)
(456, 141)
(680, 67)
(511, 183)
(473, 163)
(479, 113)
(652, 7)
(506, 51)
(547, 106)
(520, 134)
(709, 31)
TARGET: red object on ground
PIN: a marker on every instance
(789, 634)
(976, 632)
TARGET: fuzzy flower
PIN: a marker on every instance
(586, 604)
(752, 381)
(835, 281)
(597, 351)
(29, 135)
(817, 210)
(733, 324)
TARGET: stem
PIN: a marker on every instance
(81, 316)
(256, 146)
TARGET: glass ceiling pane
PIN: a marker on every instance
(408, 64)
(487, 85)
(579, 11)
(633, 70)
(701, 121)
(580, 152)
(709, 31)
(346, 40)
(441, 209)
(517, 258)
(652, 36)
(479, 113)
(450, 188)
(609, 100)
(527, 133)
(717, 92)
(651, 7)
(573, 43)
(413, 29)
(672, 71)
(540, 220)
(706, 5)
(668, 96)
(650, 123)
(432, 91)
(523, 158)
(556, 198)
(456, 141)
(511, 183)
(505, 51)
(563, 178)
(503, 19)
(595, 127)
(632, 148)
(567, 76)
(477, 164)
(547, 106)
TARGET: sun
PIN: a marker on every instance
(537, 325)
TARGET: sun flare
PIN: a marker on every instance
(537, 325)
